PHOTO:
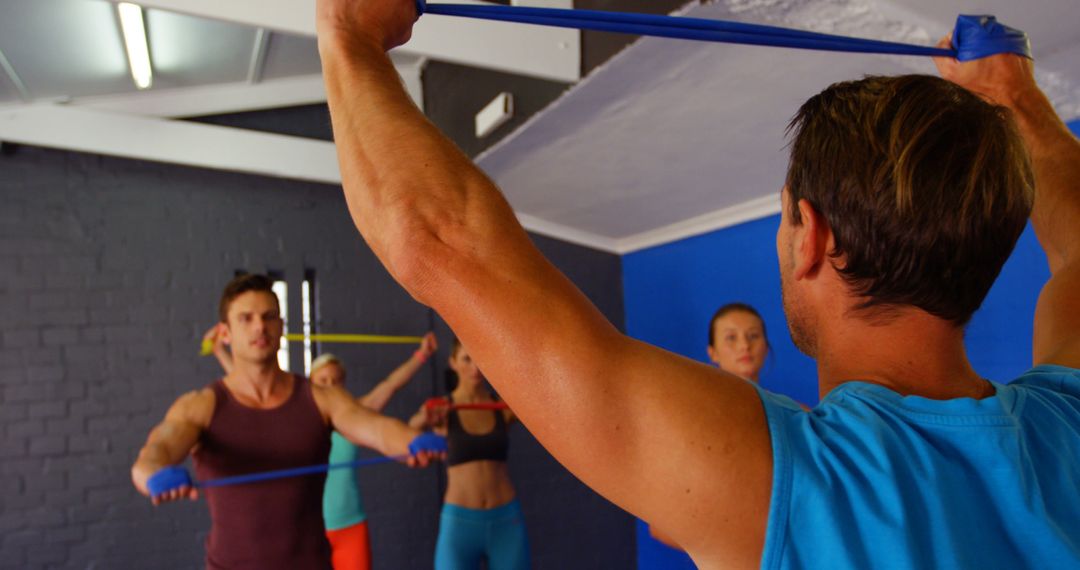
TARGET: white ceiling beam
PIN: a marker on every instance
(548, 53)
(175, 142)
(233, 97)
(213, 99)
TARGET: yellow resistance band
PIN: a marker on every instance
(208, 345)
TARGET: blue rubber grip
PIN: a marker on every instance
(982, 36)
(168, 479)
(428, 441)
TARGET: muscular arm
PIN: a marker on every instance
(172, 440)
(1008, 80)
(1055, 156)
(678, 443)
(362, 426)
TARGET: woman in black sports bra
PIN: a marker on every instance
(481, 518)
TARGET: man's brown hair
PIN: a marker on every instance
(925, 186)
(239, 285)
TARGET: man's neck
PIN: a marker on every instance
(914, 354)
(257, 381)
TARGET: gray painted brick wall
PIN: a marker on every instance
(109, 274)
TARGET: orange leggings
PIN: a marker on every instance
(350, 547)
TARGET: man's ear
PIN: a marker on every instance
(225, 333)
(713, 357)
(812, 242)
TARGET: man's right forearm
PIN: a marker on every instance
(167, 445)
(1055, 158)
(151, 459)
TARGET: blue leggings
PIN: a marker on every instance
(468, 535)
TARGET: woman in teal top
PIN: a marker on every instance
(343, 508)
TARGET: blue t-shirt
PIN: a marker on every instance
(873, 479)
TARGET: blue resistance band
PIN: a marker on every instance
(974, 37)
(170, 478)
(173, 477)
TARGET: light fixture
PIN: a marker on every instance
(494, 114)
(138, 52)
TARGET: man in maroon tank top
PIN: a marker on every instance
(261, 418)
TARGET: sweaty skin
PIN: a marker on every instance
(691, 457)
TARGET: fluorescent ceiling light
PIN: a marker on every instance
(138, 52)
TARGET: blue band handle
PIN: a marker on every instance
(168, 479)
(974, 37)
(428, 441)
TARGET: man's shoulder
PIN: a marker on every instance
(196, 406)
(326, 398)
(1049, 390)
(1052, 376)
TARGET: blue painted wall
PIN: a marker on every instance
(671, 291)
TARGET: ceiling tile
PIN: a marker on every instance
(64, 47)
(189, 51)
(289, 55)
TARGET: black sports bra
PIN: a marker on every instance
(464, 447)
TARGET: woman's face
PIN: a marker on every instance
(467, 371)
(739, 344)
(331, 374)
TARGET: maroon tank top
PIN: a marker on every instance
(270, 524)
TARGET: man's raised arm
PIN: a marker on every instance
(1009, 80)
(675, 442)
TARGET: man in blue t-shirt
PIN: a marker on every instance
(904, 197)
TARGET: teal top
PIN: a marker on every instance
(342, 506)
(873, 479)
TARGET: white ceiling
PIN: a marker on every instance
(667, 140)
(63, 49)
(72, 50)
(672, 139)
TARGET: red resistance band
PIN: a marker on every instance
(432, 403)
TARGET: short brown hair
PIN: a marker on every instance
(239, 285)
(732, 308)
(925, 186)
